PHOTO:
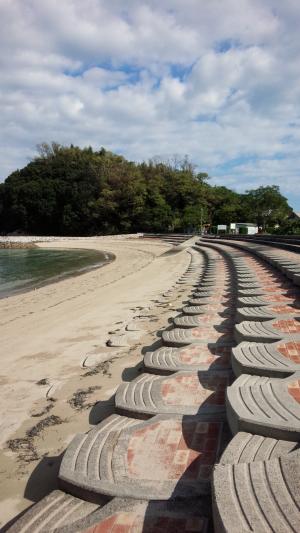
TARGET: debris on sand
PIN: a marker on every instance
(101, 368)
(79, 398)
(49, 405)
(24, 446)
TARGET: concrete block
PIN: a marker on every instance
(263, 496)
(163, 458)
(279, 359)
(220, 335)
(58, 512)
(184, 393)
(268, 331)
(202, 357)
(247, 448)
(266, 406)
(267, 312)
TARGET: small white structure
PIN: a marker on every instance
(247, 228)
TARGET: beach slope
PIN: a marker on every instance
(66, 346)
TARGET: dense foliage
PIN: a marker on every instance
(74, 191)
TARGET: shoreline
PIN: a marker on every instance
(108, 258)
(7, 245)
(59, 371)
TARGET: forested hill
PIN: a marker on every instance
(74, 191)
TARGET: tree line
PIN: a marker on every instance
(67, 190)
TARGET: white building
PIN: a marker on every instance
(246, 228)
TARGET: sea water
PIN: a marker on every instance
(27, 269)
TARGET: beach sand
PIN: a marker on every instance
(58, 376)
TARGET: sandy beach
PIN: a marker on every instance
(59, 373)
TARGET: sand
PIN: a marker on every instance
(58, 376)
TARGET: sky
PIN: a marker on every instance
(218, 80)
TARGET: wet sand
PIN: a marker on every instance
(58, 375)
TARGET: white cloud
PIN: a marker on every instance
(219, 81)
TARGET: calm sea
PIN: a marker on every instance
(26, 269)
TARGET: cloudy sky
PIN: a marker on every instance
(218, 80)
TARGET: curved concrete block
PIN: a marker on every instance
(247, 448)
(279, 359)
(262, 497)
(221, 309)
(212, 299)
(184, 393)
(274, 299)
(161, 458)
(58, 512)
(266, 406)
(192, 357)
(268, 331)
(267, 312)
(193, 321)
(221, 335)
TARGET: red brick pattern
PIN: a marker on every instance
(267, 279)
(173, 450)
(284, 309)
(192, 390)
(202, 354)
(208, 318)
(290, 350)
(294, 390)
(287, 326)
(272, 288)
(211, 333)
(215, 308)
(260, 270)
(218, 299)
(281, 298)
(135, 522)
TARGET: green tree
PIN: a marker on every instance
(267, 206)
(225, 206)
(67, 190)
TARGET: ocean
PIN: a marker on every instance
(27, 269)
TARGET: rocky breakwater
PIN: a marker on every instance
(30, 241)
(18, 245)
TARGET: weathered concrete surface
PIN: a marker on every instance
(263, 290)
(221, 309)
(259, 489)
(221, 335)
(279, 359)
(246, 448)
(271, 299)
(268, 312)
(268, 331)
(192, 357)
(57, 512)
(183, 393)
(161, 458)
(205, 299)
(267, 406)
(54, 515)
(262, 497)
(209, 319)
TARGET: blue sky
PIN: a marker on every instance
(218, 80)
